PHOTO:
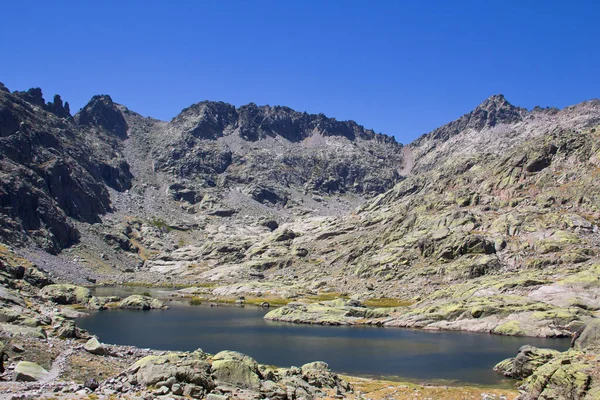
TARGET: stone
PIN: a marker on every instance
(95, 347)
(66, 294)
(589, 337)
(236, 369)
(161, 391)
(186, 368)
(213, 396)
(91, 384)
(26, 371)
(177, 389)
(138, 302)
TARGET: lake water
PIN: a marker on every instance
(421, 356)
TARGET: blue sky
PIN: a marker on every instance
(399, 67)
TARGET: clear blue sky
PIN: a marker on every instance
(399, 67)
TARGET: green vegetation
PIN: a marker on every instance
(387, 302)
(196, 301)
(160, 224)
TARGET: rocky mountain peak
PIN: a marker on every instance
(212, 120)
(3, 88)
(57, 108)
(205, 120)
(492, 111)
(102, 112)
(33, 96)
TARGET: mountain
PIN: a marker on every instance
(212, 159)
(487, 224)
(502, 201)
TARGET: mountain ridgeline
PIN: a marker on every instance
(58, 169)
(489, 223)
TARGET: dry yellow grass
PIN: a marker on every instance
(381, 389)
(387, 302)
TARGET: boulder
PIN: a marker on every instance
(66, 294)
(26, 371)
(319, 375)
(191, 369)
(95, 347)
(589, 338)
(236, 369)
(66, 329)
(138, 302)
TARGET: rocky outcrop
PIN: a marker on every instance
(138, 302)
(526, 362)
(337, 312)
(198, 375)
(549, 374)
(103, 113)
(51, 172)
(66, 294)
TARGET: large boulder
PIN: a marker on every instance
(236, 369)
(319, 375)
(95, 347)
(66, 294)
(66, 329)
(184, 368)
(589, 338)
(138, 302)
(26, 371)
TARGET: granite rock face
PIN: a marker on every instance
(52, 173)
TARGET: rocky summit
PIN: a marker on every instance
(486, 224)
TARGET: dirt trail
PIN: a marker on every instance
(58, 367)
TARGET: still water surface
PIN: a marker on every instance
(409, 354)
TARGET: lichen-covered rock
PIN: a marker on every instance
(236, 369)
(189, 368)
(66, 294)
(589, 338)
(526, 362)
(26, 371)
(325, 313)
(138, 302)
(570, 375)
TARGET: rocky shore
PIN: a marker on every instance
(47, 356)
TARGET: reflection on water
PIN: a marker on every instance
(412, 354)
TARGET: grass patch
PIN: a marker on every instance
(196, 301)
(207, 284)
(160, 224)
(273, 301)
(385, 389)
(387, 302)
(327, 296)
(156, 285)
